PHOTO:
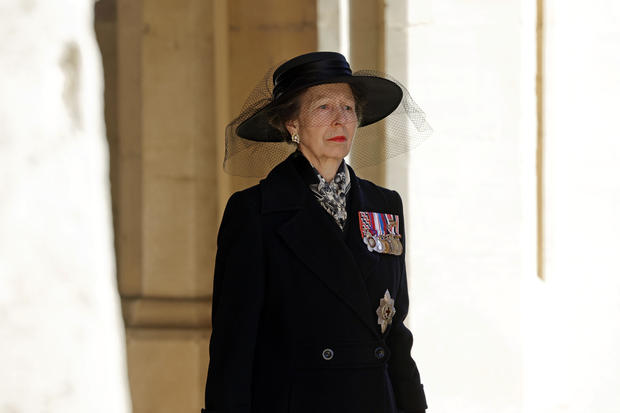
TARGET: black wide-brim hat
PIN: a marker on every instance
(256, 141)
(381, 96)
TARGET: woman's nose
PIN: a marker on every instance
(340, 116)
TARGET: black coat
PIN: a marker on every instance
(289, 284)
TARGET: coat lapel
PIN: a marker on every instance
(316, 241)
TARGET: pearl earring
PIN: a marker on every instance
(295, 138)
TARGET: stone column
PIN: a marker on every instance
(167, 196)
(184, 70)
(259, 38)
(367, 51)
(61, 337)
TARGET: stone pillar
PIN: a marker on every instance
(167, 204)
(259, 38)
(367, 51)
(61, 337)
(397, 63)
(184, 70)
(328, 26)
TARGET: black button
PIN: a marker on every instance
(328, 354)
(379, 353)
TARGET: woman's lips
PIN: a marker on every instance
(337, 139)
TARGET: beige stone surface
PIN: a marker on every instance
(167, 219)
(170, 313)
(167, 369)
(129, 149)
(184, 69)
(367, 26)
(329, 31)
(168, 249)
(367, 51)
(260, 38)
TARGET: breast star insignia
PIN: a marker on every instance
(386, 311)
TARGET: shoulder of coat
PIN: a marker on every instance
(390, 198)
(247, 199)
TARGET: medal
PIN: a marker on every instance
(380, 247)
(380, 232)
(385, 311)
(387, 242)
(370, 242)
(397, 247)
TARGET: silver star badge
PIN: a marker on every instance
(386, 311)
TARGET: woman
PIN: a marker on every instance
(310, 289)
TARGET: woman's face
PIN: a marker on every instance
(326, 123)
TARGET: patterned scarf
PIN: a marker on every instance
(333, 195)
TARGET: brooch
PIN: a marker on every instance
(380, 232)
(386, 311)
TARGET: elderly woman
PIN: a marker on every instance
(310, 289)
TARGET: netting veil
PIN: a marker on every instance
(402, 130)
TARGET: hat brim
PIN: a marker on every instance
(381, 97)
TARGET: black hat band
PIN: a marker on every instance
(318, 71)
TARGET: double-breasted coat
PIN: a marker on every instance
(294, 301)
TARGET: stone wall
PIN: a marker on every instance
(176, 73)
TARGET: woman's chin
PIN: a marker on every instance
(338, 151)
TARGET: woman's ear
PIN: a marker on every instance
(292, 126)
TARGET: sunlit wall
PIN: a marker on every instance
(490, 335)
(471, 67)
(573, 318)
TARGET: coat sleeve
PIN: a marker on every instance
(238, 290)
(403, 371)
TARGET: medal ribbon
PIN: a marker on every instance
(375, 223)
(365, 224)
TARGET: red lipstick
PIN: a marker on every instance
(338, 139)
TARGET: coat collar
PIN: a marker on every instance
(341, 263)
(284, 188)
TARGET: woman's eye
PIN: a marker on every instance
(324, 106)
(347, 107)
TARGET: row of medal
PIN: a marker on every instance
(380, 232)
(385, 244)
